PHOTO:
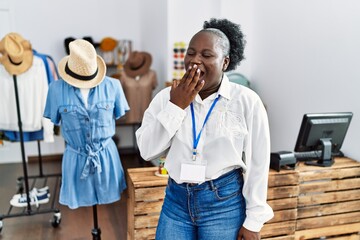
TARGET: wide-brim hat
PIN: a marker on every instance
(83, 68)
(17, 55)
(137, 64)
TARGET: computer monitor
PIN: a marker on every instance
(321, 136)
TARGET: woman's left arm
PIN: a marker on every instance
(257, 153)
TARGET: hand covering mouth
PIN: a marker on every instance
(202, 74)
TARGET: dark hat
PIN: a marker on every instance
(67, 41)
(90, 40)
(137, 64)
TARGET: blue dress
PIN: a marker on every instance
(91, 168)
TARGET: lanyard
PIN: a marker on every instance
(197, 138)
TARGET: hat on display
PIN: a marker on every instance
(17, 55)
(67, 41)
(90, 40)
(108, 44)
(137, 64)
(83, 68)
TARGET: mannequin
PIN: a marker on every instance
(86, 103)
(85, 95)
(138, 92)
(138, 81)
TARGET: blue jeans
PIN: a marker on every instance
(210, 211)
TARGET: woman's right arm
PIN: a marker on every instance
(161, 121)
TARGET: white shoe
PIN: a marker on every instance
(34, 190)
(35, 199)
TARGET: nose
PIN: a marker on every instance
(196, 60)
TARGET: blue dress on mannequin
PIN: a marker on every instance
(91, 168)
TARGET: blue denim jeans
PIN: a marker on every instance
(210, 211)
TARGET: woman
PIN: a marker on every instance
(215, 136)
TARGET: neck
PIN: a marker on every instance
(212, 89)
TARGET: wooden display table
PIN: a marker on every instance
(308, 202)
(329, 201)
(283, 191)
(146, 194)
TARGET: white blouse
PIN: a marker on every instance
(32, 89)
(236, 135)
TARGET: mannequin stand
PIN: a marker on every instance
(22, 145)
(25, 179)
(96, 232)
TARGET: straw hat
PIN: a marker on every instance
(137, 64)
(17, 55)
(83, 68)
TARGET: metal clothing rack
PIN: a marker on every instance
(24, 180)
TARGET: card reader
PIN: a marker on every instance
(282, 158)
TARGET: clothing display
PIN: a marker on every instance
(92, 170)
(138, 92)
(24, 80)
(51, 72)
(51, 75)
(32, 88)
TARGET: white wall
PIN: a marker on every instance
(46, 24)
(301, 56)
(154, 31)
(306, 57)
(185, 18)
(241, 12)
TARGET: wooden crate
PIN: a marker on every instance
(283, 191)
(145, 197)
(308, 202)
(329, 201)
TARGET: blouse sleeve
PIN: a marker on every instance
(121, 104)
(52, 103)
(257, 158)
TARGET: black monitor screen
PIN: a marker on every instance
(319, 129)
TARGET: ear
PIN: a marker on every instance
(225, 63)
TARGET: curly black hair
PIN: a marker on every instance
(235, 36)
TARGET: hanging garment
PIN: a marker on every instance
(49, 74)
(32, 88)
(14, 136)
(52, 65)
(138, 92)
(91, 168)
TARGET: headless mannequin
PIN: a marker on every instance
(138, 91)
(85, 95)
(96, 232)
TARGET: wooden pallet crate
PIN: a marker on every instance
(146, 192)
(308, 202)
(283, 191)
(145, 197)
(329, 201)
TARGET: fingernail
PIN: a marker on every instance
(190, 67)
(197, 70)
(195, 65)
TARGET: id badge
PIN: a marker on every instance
(193, 172)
